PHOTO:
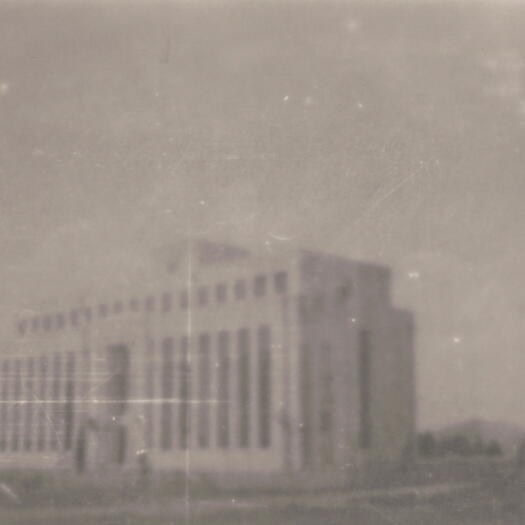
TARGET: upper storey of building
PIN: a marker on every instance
(199, 274)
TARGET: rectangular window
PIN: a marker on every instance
(87, 314)
(326, 404)
(365, 428)
(35, 323)
(281, 282)
(17, 391)
(203, 434)
(69, 408)
(244, 381)
(55, 398)
(30, 396)
(73, 318)
(264, 385)
(5, 404)
(184, 393)
(202, 296)
(221, 293)
(259, 286)
(102, 310)
(133, 305)
(239, 289)
(118, 383)
(46, 323)
(42, 394)
(223, 390)
(306, 391)
(149, 395)
(149, 303)
(166, 302)
(60, 321)
(118, 307)
(22, 327)
(166, 422)
(184, 300)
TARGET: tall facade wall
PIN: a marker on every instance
(230, 364)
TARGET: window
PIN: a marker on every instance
(149, 304)
(184, 393)
(69, 409)
(118, 383)
(118, 307)
(166, 302)
(73, 317)
(259, 286)
(17, 390)
(134, 305)
(281, 282)
(239, 289)
(365, 430)
(221, 293)
(5, 407)
(223, 390)
(149, 395)
(60, 321)
(203, 430)
(22, 327)
(46, 323)
(244, 381)
(102, 310)
(342, 292)
(306, 402)
(30, 396)
(326, 402)
(184, 300)
(35, 323)
(202, 296)
(55, 398)
(86, 312)
(264, 385)
(42, 394)
(166, 422)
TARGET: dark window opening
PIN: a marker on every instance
(223, 376)
(4, 408)
(221, 293)
(264, 386)
(166, 302)
(184, 300)
(244, 379)
(69, 409)
(281, 282)
(203, 435)
(259, 286)
(365, 430)
(167, 395)
(239, 289)
(184, 392)
(118, 307)
(30, 395)
(202, 296)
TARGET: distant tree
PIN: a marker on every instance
(493, 449)
(427, 445)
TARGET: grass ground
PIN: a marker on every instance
(471, 505)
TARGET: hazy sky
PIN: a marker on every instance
(390, 133)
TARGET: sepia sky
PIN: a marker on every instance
(390, 132)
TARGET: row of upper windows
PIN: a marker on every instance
(203, 297)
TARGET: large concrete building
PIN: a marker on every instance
(233, 363)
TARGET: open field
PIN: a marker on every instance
(436, 505)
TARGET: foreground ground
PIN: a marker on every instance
(465, 504)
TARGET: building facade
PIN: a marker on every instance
(232, 363)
